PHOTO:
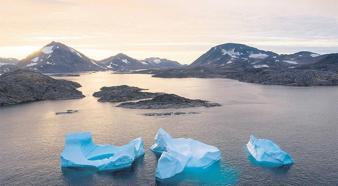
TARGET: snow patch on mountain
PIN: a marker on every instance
(261, 66)
(290, 62)
(258, 56)
(31, 64)
(47, 50)
(36, 59)
(231, 53)
(157, 61)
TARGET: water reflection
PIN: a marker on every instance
(217, 174)
(89, 176)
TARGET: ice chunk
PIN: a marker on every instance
(81, 151)
(180, 153)
(266, 152)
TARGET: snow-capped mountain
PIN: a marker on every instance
(160, 63)
(59, 58)
(124, 63)
(8, 64)
(232, 54)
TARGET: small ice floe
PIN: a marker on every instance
(180, 153)
(67, 112)
(267, 153)
(81, 152)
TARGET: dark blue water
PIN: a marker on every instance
(303, 121)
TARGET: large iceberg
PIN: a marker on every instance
(80, 151)
(180, 153)
(267, 153)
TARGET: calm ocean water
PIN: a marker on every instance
(303, 121)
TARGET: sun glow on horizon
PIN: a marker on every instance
(177, 30)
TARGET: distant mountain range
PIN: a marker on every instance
(249, 64)
(231, 60)
(8, 64)
(56, 57)
(124, 63)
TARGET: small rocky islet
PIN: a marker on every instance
(136, 98)
(122, 93)
(22, 86)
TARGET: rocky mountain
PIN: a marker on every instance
(248, 64)
(299, 58)
(230, 53)
(8, 64)
(21, 86)
(123, 63)
(59, 58)
(160, 63)
(250, 57)
(327, 62)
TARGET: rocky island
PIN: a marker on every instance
(136, 98)
(122, 93)
(21, 86)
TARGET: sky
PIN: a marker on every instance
(174, 29)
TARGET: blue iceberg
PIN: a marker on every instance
(80, 151)
(180, 153)
(267, 153)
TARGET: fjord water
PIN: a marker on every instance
(303, 121)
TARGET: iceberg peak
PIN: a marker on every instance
(80, 151)
(180, 153)
(265, 152)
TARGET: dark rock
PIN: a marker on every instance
(21, 86)
(122, 93)
(65, 75)
(67, 112)
(169, 113)
(166, 101)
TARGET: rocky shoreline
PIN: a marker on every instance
(286, 77)
(22, 86)
(167, 101)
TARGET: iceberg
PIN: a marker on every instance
(267, 153)
(180, 153)
(81, 152)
